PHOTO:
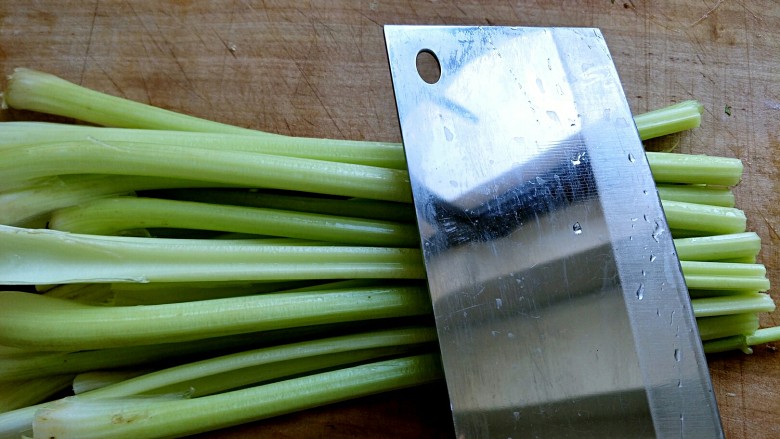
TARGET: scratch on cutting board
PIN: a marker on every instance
(773, 105)
(708, 13)
(89, 42)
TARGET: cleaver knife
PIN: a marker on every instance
(557, 293)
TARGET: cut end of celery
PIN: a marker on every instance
(683, 116)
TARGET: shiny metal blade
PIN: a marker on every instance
(558, 297)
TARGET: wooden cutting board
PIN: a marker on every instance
(318, 68)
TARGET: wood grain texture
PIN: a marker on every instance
(318, 68)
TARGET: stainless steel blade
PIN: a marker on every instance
(558, 297)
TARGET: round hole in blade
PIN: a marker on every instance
(428, 66)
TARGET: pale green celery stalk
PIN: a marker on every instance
(711, 328)
(37, 91)
(703, 219)
(694, 169)
(733, 343)
(737, 304)
(84, 382)
(683, 116)
(718, 247)
(109, 216)
(743, 342)
(725, 282)
(186, 373)
(19, 394)
(357, 208)
(724, 276)
(708, 268)
(53, 257)
(23, 364)
(40, 322)
(227, 372)
(263, 373)
(34, 201)
(22, 164)
(156, 293)
(232, 379)
(381, 154)
(763, 335)
(30, 365)
(77, 418)
(740, 283)
(699, 194)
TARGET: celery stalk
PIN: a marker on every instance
(709, 282)
(21, 164)
(240, 369)
(718, 247)
(705, 220)
(52, 257)
(40, 322)
(29, 365)
(87, 381)
(129, 418)
(266, 356)
(763, 335)
(19, 394)
(254, 375)
(737, 304)
(711, 328)
(724, 276)
(694, 169)
(35, 201)
(683, 116)
(743, 342)
(707, 268)
(32, 365)
(157, 293)
(109, 216)
(37, 91)
(699, 194)
(358, 208)
(383, 154)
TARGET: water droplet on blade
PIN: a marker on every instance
(448, 134)
(658, 231)
(577, 228)
(640, 292)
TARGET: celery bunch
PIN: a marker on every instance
(184, 267)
